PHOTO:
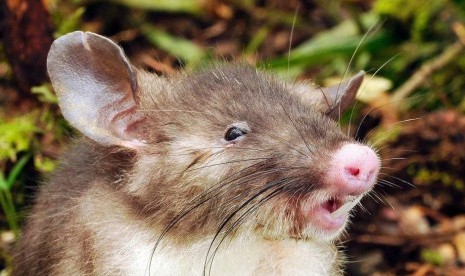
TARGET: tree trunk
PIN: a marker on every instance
(27, 36)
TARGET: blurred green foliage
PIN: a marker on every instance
(176, 6)
(16, 135)
(323, 47)
(432, 256)
(426, 176)
(45, 94)
(183, 49)
(418, 14)
(6, 197)
(68, 23)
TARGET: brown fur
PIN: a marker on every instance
(185, 162)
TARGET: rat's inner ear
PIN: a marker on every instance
(96, 86)
(333, 100)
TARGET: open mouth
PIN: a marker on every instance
(344, 209)
(332, 204)
(332, 214)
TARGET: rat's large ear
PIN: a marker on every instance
(339, 97)
(95, 86)
(332, 100)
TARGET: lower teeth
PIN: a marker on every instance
(346, 207)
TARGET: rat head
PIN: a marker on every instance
(223, 149)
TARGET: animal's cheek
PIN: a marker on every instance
(198, 162)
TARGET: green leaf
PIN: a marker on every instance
(176, 46)
(432, 256)
(44, 93)
(16, 170)
(3, 184)
(417, 11)
(186, 6)
(257, 40)
(342, 40)
(44, 164)
(16, 135)
(70, 23)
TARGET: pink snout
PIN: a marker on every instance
(353, 169)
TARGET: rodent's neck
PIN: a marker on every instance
(250, 256)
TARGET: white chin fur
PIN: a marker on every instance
(250, 256)
(317, 233)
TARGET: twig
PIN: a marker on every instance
(417, 240)
(421, 76)
(26, 28)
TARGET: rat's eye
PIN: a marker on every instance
(233, 133)
(236, 132)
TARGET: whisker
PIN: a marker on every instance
(219, 147)
(387, 168)
(381, 198)
(238, 221)
(388, 183)
(384, 199)
(362, 90)
(228, 162)
(287, 143)
(386, 136)
(176, 110)
(364, 37)
(291, 36)
(399, 179)
(372, 197)
(205, 197)
(406, 121)
(238, 209)
(209, 159)
(402, 150)
(393, 158)
(395, 127)
(378, 107)
(297, 129)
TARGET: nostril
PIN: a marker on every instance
(353, 171)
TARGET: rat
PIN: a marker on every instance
(223, 170)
